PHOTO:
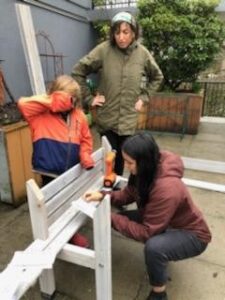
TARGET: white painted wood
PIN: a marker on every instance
(215, 120)
(53, 237)
(63, 216)
(44, 205)
(37, 210)
(102, 242)
(47, 282)
(65, 230)
(80, 256)
(204, 165)
(30, 48)
(121, 178)
(39, 223)
(70, 175)
(14, 282)
(204, 185)
(64, 198)
(72, 212)
(194, 182)
(55, 229)
(25, 276)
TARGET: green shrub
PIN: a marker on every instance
(102, 29)
(98, 2)
(183, 35)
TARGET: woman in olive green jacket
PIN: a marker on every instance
(128, 75)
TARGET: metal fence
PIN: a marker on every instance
(114, 4)
(213, 98)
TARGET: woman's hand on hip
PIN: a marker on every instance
(139, 104)
(98, 100)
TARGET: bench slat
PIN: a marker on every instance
(58, 184)
(77, 255)
(63, 200)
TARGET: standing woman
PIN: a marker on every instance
(128, 75)
(166, 220)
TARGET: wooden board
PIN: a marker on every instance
(179, 113)
(17, 147)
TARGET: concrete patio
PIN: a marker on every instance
(200, 278)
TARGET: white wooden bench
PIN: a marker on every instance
(57, 211)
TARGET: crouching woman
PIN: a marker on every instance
(166, 220)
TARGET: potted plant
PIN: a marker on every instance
(184, 36)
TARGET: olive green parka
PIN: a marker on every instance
(124, 77)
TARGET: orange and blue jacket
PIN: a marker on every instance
(57, 144)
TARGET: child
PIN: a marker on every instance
(60, 132)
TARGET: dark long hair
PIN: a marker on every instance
(143, 149)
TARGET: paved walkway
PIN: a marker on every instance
(200, 278)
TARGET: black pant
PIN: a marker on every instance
(116, 142)
(171, 245)
(46, 179)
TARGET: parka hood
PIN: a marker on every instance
(170, 165)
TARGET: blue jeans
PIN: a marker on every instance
(170, 245)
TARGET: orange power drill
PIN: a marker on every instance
(110, 175)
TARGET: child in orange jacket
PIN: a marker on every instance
(60, 132)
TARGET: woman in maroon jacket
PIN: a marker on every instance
(166, 219)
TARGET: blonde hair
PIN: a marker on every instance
(67, 84)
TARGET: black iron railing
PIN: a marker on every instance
(214, 98)
(113, 3)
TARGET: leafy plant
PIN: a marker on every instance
(98, 2)
(184, 36)
(102, 28)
